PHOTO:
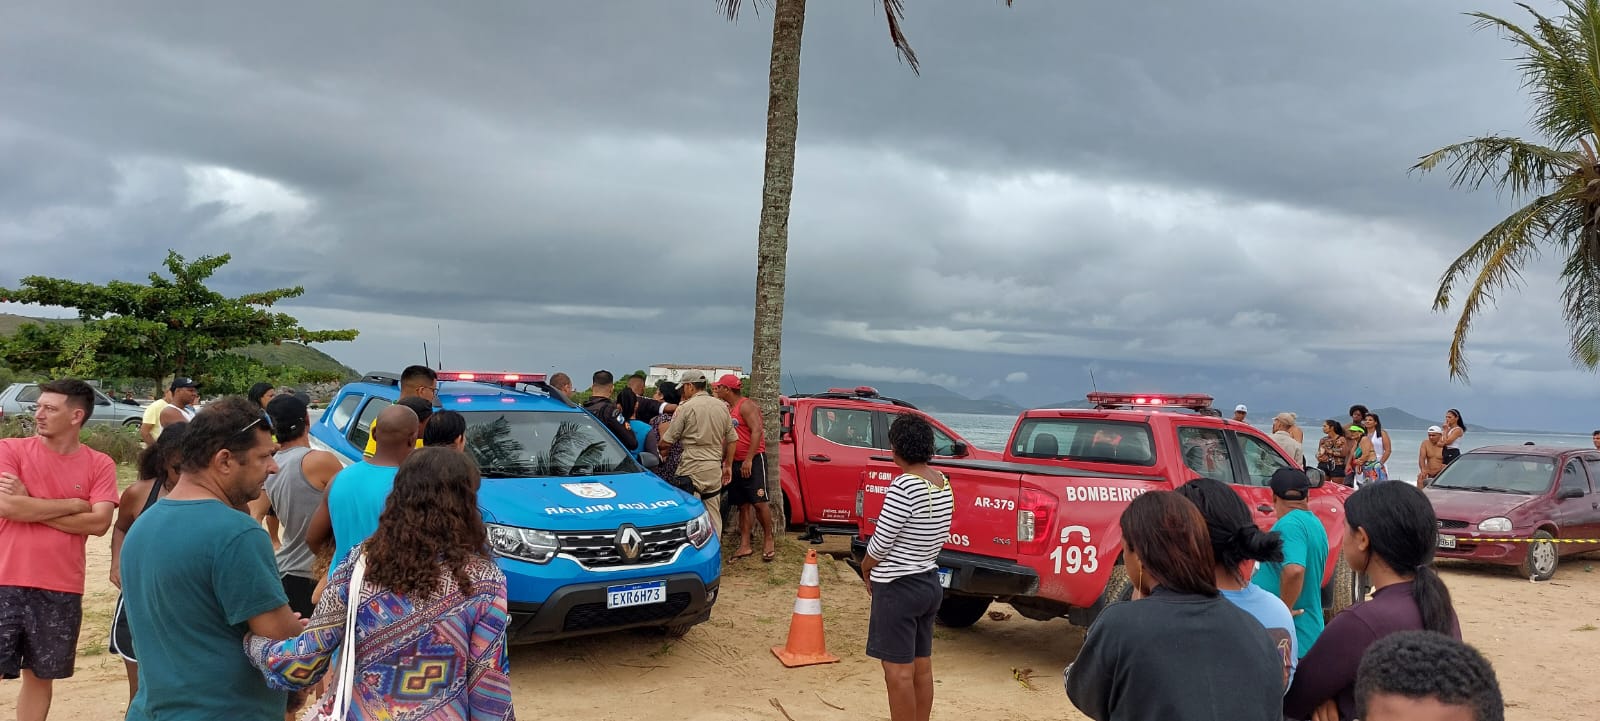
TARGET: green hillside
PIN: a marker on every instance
(295, 354)
(288, 354)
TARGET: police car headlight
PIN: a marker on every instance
(523, 544)
(1495, 525)
(701, 531)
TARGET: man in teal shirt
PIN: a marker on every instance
(198, 571)
(1298, 579)
(357, 494)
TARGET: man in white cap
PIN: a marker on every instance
(1281, 425)
(1239, 412)
(703, 428)
(1430, 458)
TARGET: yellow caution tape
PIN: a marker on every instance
(1474, 539)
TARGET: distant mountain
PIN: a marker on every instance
(927, 396)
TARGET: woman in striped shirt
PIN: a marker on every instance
(901, 571)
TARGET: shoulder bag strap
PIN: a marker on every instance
(347, 650)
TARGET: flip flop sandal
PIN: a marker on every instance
(767, 556)
(738, 556)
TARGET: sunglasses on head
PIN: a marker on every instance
(264, 418)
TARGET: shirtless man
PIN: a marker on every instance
(1430, 458)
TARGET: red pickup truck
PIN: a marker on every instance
(1040, 528)
(829, 439)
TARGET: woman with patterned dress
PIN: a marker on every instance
(430, 622)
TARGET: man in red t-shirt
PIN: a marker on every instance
(748, 491)
(54, 493)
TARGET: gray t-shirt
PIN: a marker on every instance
(294, 501)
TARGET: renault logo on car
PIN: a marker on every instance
(629, 542)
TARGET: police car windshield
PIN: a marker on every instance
(539, 444)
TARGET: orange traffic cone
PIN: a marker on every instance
(805, 646)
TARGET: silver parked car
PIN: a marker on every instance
(20, 398)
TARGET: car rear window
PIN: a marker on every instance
(1084, 439)
(1498, 473)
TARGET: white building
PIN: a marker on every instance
(673, 371)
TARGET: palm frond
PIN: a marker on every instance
(1496, 258)
(1581, 285)
(1560, 66)
(1511, 165)
(893, 12)
(729, 8)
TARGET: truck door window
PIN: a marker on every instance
(361, 430)
(343, 411)
(28, 394)
(844, 427)
(943, 444)
(1205, 451)
(1260, 460)
(1084, 439)
(1594, 472)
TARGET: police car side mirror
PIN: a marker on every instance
(649, 460)
(1317, 477)
(959, 449)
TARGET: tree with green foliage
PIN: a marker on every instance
(1556, 184)
(172, 325)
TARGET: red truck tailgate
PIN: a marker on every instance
(986, 502)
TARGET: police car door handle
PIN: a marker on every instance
(819, 458)
(1264, 508)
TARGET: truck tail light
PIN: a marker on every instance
(1036, 512)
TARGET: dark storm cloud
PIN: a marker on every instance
(1191, 194)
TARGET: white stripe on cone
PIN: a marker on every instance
(808, 606)
(808, 577)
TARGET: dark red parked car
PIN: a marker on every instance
(1527, 493)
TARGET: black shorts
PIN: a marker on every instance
(300, 590)
(752, 489)
(900, 628)
(121, 642)
(38, 632)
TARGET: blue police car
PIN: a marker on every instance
(589, 540)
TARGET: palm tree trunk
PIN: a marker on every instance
(783, 120)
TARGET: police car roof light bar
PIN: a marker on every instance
(1191, 401)
(496, 378)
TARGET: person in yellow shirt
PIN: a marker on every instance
(415, 382)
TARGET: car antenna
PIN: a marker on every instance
(424, 353)
(1092, 385)
(792, 384)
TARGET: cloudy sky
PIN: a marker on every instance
(1186, 197)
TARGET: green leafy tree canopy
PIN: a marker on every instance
(171, 325)
(1555, 183)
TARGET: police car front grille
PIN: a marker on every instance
(1451, 524)
(598, 549)
(586, 616)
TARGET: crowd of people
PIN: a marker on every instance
(259, 575)
(375, 595)
(1267, 653)
(1357, 453)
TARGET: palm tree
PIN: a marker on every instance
(777, 186)
(1557, 183)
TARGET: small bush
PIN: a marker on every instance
(16, 426)
(122, 444)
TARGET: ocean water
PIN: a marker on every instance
(993, 432)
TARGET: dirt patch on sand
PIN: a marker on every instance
(1542, 639)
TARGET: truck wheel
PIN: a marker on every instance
(1540, 565)
(1119, 588)
(132, 422)
(962, 611)
(1344, 590)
